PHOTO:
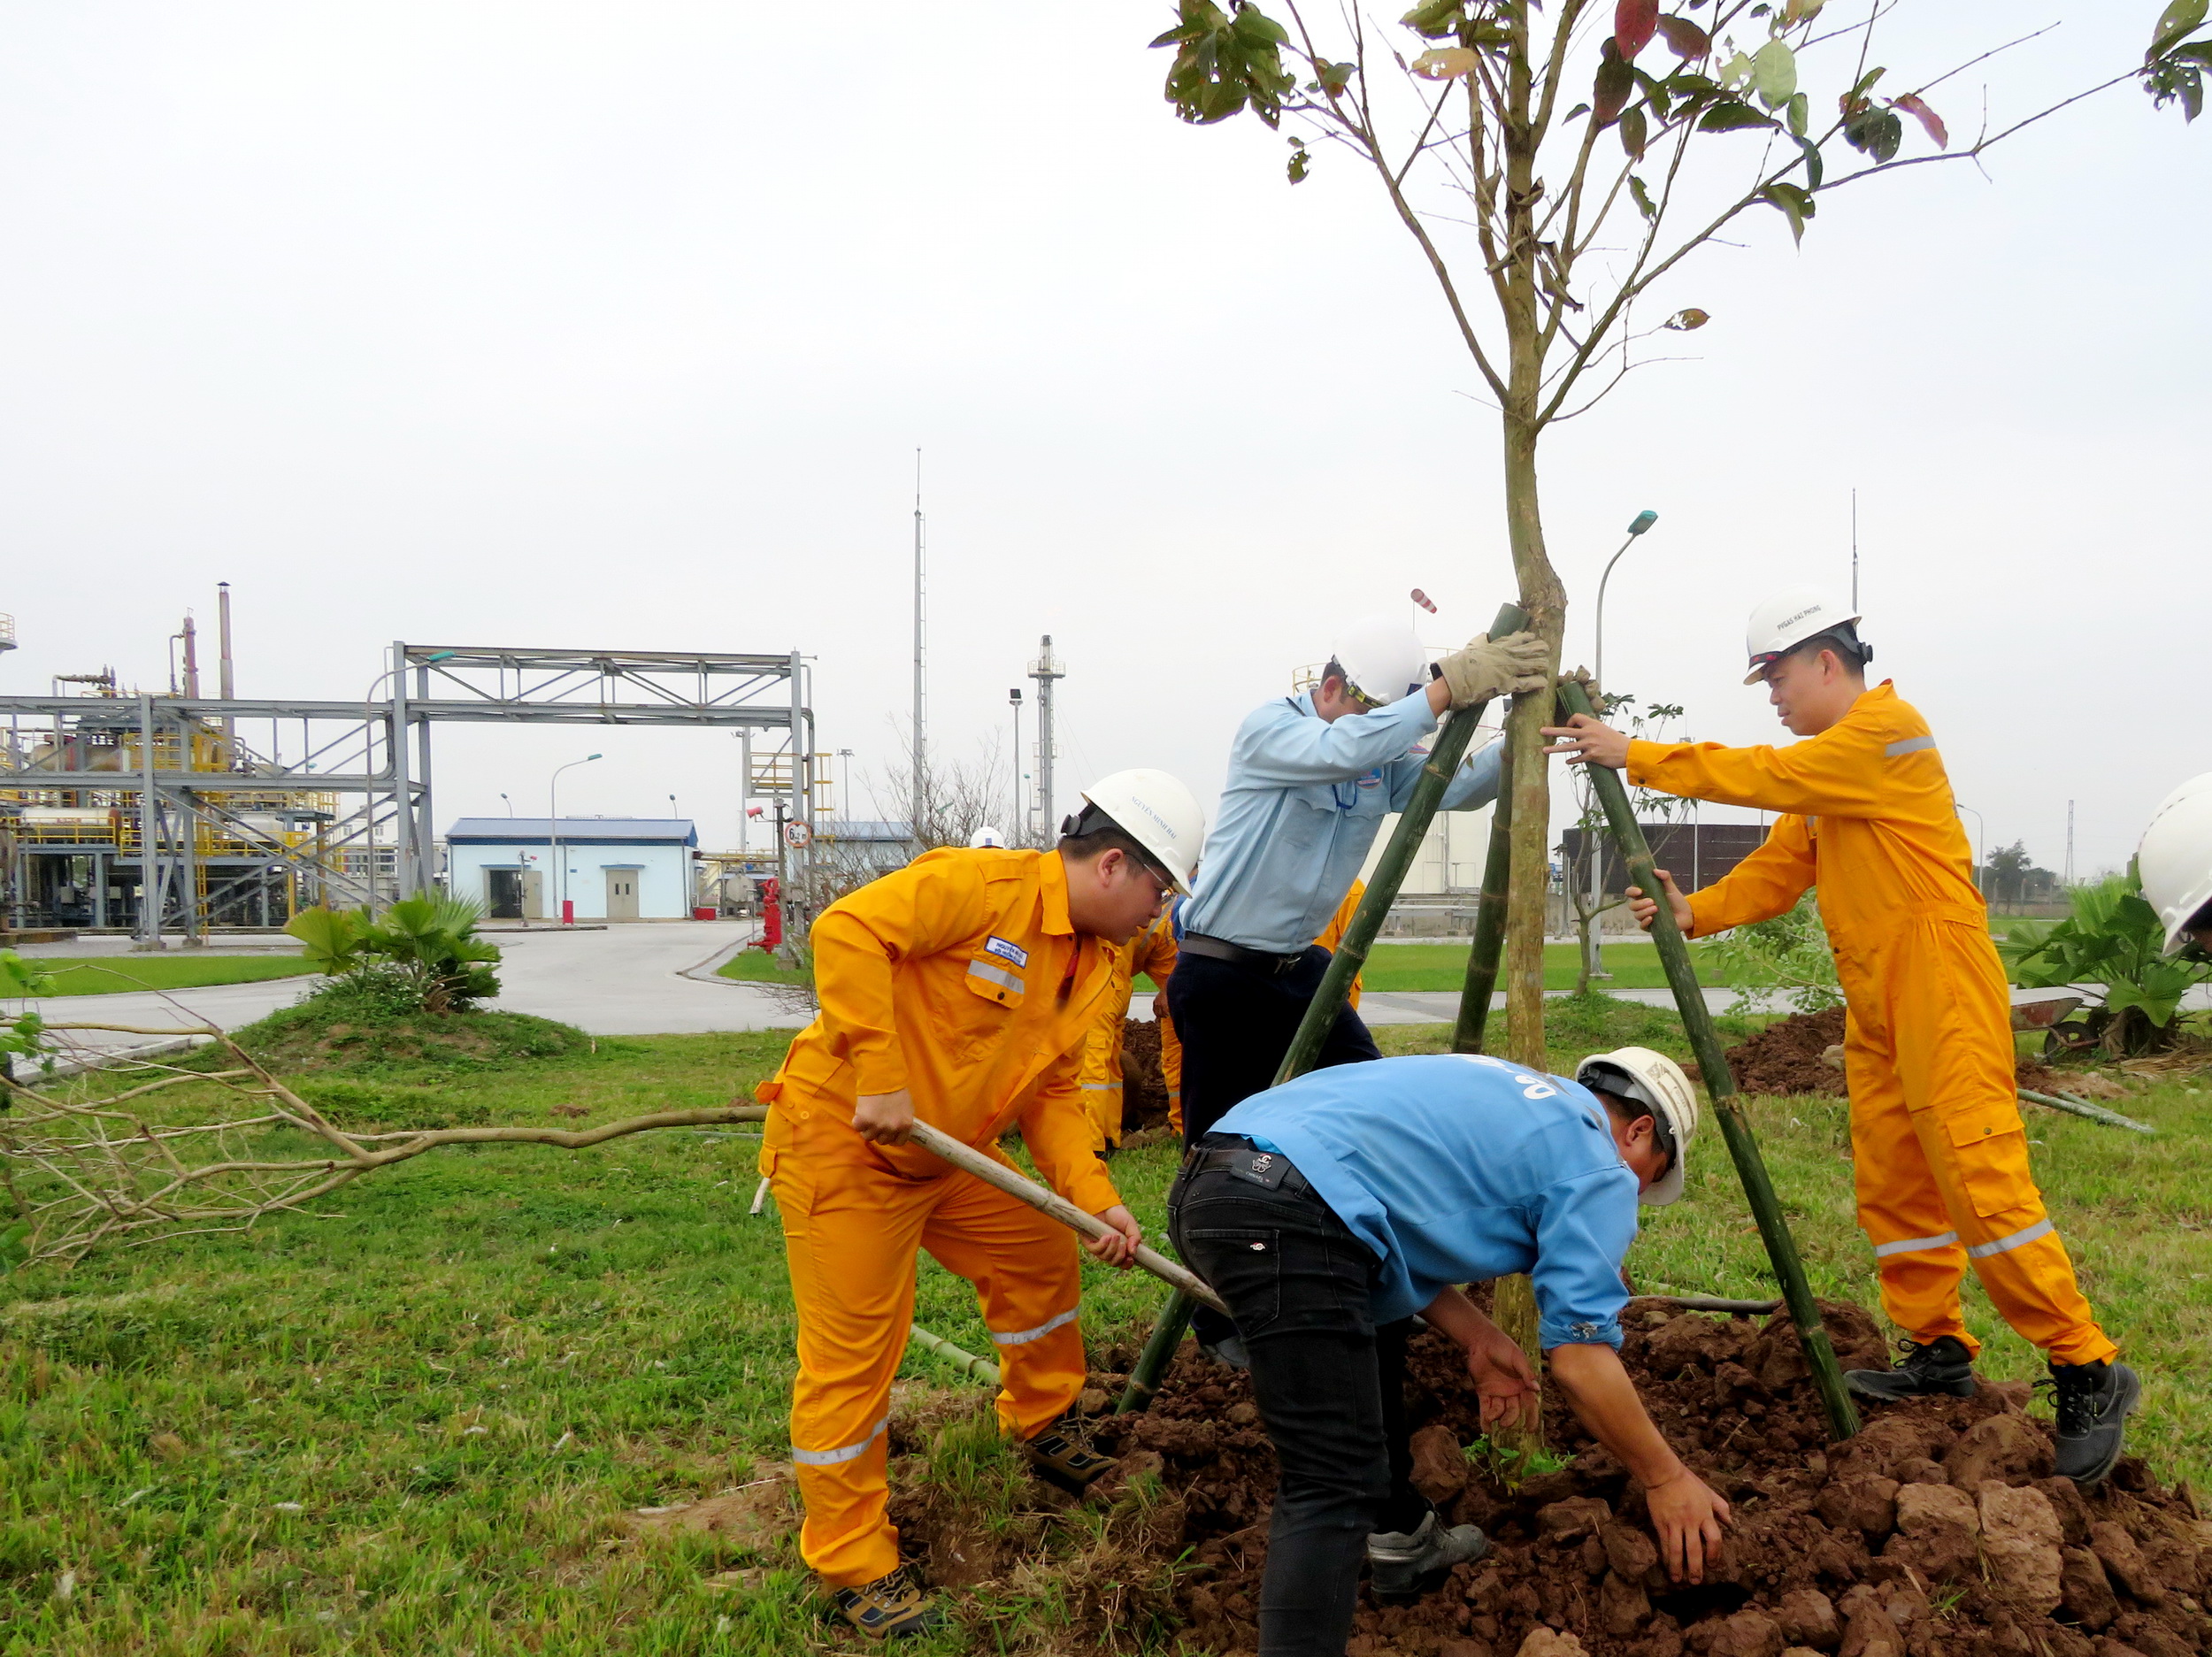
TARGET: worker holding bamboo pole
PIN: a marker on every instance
(1941, 1155)
(1310, 778)
(1328, 1210)
(956, 992)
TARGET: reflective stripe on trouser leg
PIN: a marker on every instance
(1916, 1252)
(1951, 1029)
(851, 1232)
(1101, 1103)
(1023, 1267)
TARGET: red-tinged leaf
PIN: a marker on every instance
(1684, 39)
(1634, 23)
(1913, 105)
(1615, 82)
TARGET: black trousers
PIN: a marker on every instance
(1235, 1023)
(1330, 1385)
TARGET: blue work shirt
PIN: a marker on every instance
(1304, 799)
(1458, 1169)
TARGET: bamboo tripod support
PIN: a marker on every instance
(1336, 983)
(1720, 1087)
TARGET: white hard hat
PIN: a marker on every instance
(1382, 659)
(1655, 1081)
(986, 835)
(1158, 813)
(2174, 861)
(1785, 620)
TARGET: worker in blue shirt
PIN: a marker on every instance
(1310, 778)
(1328, 1211)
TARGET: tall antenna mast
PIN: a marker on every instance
(921, 706)
(1855, 550)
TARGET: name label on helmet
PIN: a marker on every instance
(1006, 951)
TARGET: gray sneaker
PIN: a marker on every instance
(1942, 1366)
(2093, 1401)
(1403, 1565)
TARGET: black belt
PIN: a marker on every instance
(1271, 1171)
(1222, 949)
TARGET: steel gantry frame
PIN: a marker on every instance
(193, 780)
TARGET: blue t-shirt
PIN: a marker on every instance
(1458, 1169)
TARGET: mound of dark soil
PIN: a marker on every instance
(317, 1035)
(1939, 1532)
(1786, 1058)
(1143, 1088)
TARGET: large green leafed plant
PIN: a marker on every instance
(2112, 938)
(424, 955)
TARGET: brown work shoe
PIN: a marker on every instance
(889, 1607)
(1056, 1455)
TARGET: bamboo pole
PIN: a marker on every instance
(1720, 1086)
(1344, 966)
(966, 1363)
(2083, 1108)
(993, 1172)
(1489, 940)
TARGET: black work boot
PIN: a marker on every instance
(2093, 1401)
(1402, 1565)
(1943, 1366)
(1057, 1456)
(889, 1607)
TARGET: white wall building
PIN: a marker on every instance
(1451, 857)
(618, 868)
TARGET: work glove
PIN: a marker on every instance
(1583, 676)
(1517, 664)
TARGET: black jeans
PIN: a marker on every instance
(1329, 1383)
(1235, 1023)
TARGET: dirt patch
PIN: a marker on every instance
(1937, 1532)
(1143, 1086)
(1792, 1057)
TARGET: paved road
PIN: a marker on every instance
(1433, 1007)
(624, 980)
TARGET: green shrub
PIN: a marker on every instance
(424, 953)
(2114, 938)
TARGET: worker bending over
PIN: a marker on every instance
(1941, 1156)
(955, 991)
(1310, 780)
(1328, 1211)
(2174, 864)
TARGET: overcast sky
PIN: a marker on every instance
(618, 327)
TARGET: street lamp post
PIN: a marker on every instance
(845, 784)
(1018, 828)
(1594, 956)
(553, 835)
(1981, 843)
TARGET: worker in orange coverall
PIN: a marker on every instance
(957, 992)
(1941, 1157)
(1171, 1048)
(1151, 952)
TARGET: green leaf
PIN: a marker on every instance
(2176, 21)
(1737, 72)
(1795, 204)
(1643, 198)
(1815, 168)
(1879, 133)
(1732, 116)
(1774, 74)
(1438, 20)
(1614, 84)
(1865, 85)
(1301, 164)
(1632, 133)
(1256, 28)
(1800, 116)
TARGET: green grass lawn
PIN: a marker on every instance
(417, 1423)
(184, 969)
(757, 966)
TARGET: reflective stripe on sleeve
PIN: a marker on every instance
(1101, 1087)
(1914, 1245)
(1022, 1337)
(1911, 745)
(831, 1458)
(2005, 1245)
(999, 976)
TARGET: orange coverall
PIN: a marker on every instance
(1941, 1156)
(960, 978)
(1151, 951)
(1171, 1048)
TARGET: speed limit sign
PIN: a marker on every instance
(795, 835)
